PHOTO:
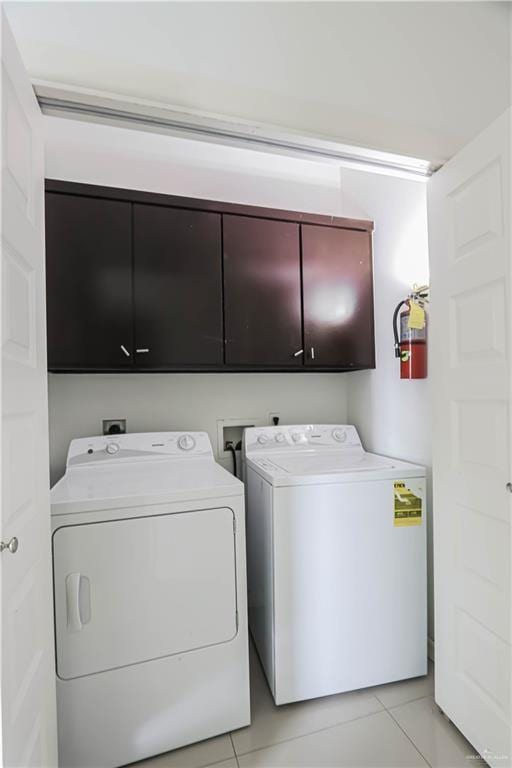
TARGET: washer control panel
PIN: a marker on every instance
(301, 437)
(146, 446)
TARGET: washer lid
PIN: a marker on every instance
(315, 463)
(87, 489)
(332, 467)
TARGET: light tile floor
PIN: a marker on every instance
(391, 726)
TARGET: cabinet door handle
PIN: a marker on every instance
(125, 350)
(143, 349)
(299, 352)
(312, 353)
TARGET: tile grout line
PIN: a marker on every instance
(402, 703)
(418, 750)
(437, 708)
(208, 762)
(234, 750)
(311, 733)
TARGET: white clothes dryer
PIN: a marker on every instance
(150, 598)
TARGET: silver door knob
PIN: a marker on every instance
(11, 545)
(509, 487)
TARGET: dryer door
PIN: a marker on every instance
(131, 590)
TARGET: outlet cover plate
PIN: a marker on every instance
(271, 417)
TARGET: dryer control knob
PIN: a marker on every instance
(262, 439)
(339, 435)
(280, 437)
(112, 448)
(296, 437)
(186, 442)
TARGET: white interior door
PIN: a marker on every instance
(469, 232)
(27, 663)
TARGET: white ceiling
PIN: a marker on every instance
(419, 78)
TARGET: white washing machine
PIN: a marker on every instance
(336, 561)
(150, 598)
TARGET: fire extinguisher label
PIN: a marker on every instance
(407, 506)
(410, 334)
(416, 316)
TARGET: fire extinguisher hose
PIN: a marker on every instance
(395, 326)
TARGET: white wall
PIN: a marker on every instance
(392, 415)
(120, 157)
(184, 401)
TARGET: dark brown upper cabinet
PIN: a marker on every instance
(177, 288)
(88, 283)
(337, 297)
(262, 294)
(139, 281)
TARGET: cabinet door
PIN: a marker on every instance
(177, 288)
(338, 297)
(262, 292)
(88, 283)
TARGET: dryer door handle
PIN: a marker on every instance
(78, 601)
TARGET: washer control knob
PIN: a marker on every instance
(186, 442)
(262, 439)
(296, 437)
(339, 435)
(280, 437)
(112, 448)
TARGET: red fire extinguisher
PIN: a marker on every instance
(411, 342)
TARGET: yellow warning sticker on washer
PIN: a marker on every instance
(407, 506)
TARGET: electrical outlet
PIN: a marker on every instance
(114, 426)
(273, 416)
